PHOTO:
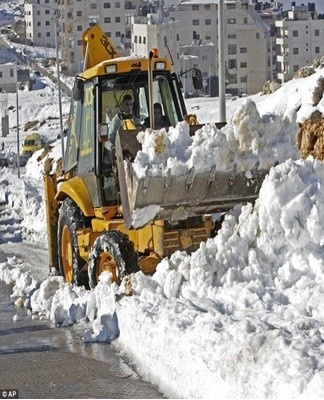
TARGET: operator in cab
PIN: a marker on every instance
(160, 120)
(124, 119)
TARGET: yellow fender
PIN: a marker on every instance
(76, 189)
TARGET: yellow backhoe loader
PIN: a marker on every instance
(90, 206)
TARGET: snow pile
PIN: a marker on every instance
(244, 308)
(25, 200)
(248, 140)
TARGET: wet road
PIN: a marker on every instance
(41, 361)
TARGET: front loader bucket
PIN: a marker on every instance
(178, 197)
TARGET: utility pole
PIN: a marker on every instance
(17, 111)
(221, 60)
(59, 85)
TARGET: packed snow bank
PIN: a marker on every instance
(25, 200)
(248, 140)
(240, 317)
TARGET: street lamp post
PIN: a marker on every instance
(221, 60)
(17, 114)
(59, 87)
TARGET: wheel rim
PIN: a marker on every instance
(66, 254)
(107, 263)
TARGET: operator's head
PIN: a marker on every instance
(127, 104)
(157, 111)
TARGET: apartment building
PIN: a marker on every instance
(154, 31)
(189, 36)
(40, 17)
(78, 15)
(73, 17)
(300, 39)
(247, 41)
(8, 77)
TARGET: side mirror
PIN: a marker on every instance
(78, 89)
(197, 79)
(103, 132)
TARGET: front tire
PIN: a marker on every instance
(70, 262)
(113, 252)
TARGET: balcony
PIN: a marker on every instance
(283, 41)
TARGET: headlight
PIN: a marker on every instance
(160, 65)
(110, 69)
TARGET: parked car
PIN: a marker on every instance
(12, 159)
(32, 142)
(3, 160)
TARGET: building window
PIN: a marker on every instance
(39, 23)
(195, 22)
(245, 20)
(135, 39)
(295, 68)
(295, 33)
(243, 50)
(93, 6)
(79, 28)
(317, 50)
(117, 19)
(232, 64)
(107, 20)
(106, 5)
(207, 6)
(47, 12)
(243, 79)
(257, 35)
(231, 6)
(79, 13)
(118, 34)
(295, 50)
(243, 64)
(11, 73)
(208, 22)
(232, 49)
(117, 4)
(231, 21)
(0, 74)
(317, 32)
(231, 36)
(195, 7)
(47, 23)
(232, 79)
(208, 37)
(48, 34)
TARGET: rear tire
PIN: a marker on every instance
(70, 262)
(113, 252)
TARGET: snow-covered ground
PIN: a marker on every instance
(242, 317)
